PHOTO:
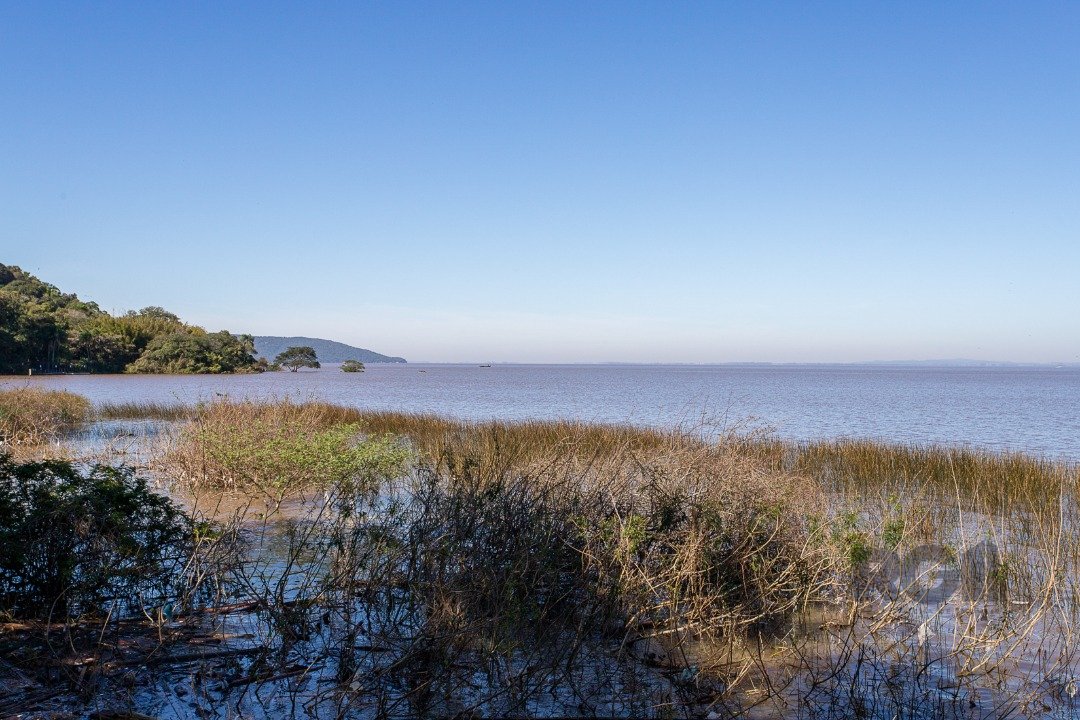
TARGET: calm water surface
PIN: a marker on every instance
(1035, 410)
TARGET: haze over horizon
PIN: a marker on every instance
(554, 182)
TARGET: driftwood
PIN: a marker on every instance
(272, 677)
(191, 657)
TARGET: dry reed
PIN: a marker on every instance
(31, 416)
(143, 411)
(516, 564)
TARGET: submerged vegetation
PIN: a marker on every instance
(45, 330)
(396, 565)
(352, 366)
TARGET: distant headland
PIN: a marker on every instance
(329, 351)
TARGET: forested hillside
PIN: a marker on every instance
(45, 330)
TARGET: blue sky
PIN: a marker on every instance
(547, 182)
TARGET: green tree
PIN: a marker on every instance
(352, 366)
(297, 357)
(93, 352)
(30, 335)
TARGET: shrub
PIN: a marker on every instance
(71, 541)
(560, 549)
(282, 447)
(710, 539)
(30, 416)
(352, 366)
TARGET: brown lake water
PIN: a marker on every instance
(1036, 410)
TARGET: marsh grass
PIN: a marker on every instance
(281, 448)
(432, 567)
(990, 482)
(144, 411)
(497, 574)
(998, 482)
(533, 553)
(701, 556)
(994, 482)
(31, 416)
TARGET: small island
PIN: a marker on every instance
(352, 366)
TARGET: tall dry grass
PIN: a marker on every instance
(966, 582)
(31, 416)
(143, 411)
(560, 546)
(956, 571)
(500, 564)
(995, 482)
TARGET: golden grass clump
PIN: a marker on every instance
(31, 416)
(712, 539)
(500, 444)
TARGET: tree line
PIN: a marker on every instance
(45, 330)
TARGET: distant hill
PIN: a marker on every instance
(328, 351)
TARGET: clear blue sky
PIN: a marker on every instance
(694, 182)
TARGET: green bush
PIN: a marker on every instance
(352, 366)
(188, 352)
(282, 447)
(73, 542)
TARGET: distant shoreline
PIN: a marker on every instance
(973, 365)
(880, 365)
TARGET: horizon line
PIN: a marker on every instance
(938, 362)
